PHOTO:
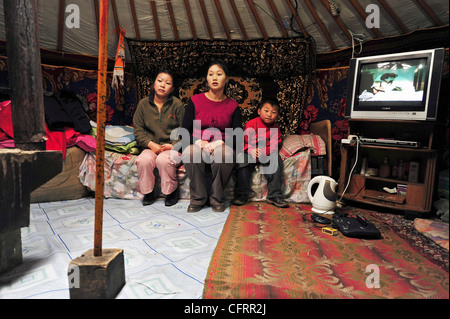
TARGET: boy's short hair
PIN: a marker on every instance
(271, 102)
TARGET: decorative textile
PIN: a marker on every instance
(296, 177)
(118, 77)
(121, 178)
(405, 229)
(435, 230)
(266, 252)
(296, 143)
(326, 100)
(283, 67)
(118, 73)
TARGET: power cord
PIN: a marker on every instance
(339, 202)
(358, 37)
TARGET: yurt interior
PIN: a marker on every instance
(226, 149)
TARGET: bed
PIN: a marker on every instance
(297, 152)
(65, 185)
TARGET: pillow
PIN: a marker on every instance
(293, 144)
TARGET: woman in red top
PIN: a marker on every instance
(207, 117)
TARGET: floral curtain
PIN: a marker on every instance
(282, 67)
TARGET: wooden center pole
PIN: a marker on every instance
(101, 119)
(25, 74)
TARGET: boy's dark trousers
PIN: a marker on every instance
(244, 178)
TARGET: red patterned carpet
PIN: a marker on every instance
(267, 252)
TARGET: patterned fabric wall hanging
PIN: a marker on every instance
(281, 67)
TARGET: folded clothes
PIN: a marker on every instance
(7, 143)
(116, 134)
(130, 148)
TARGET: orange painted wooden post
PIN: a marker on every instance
(101, 119)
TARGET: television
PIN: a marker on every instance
(400, 86)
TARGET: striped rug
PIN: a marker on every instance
(267, 252)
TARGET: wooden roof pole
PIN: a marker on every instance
(172, 20)
(62, 6)
(222, 19)
(258, 20)
(278, 18)
(338, 20)
(96, 9)
(430, 12)
(101, 119)
(363, 15)
(239, 20)
(135, 23)
(116, 17)
(393, 16)
(320, 24)
(191, 21)
(205, 16)
(155, 20)
(297, 18)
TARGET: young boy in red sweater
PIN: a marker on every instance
(262, 140)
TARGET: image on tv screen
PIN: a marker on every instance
(392, 81)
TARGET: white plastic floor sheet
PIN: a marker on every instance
(167, 250)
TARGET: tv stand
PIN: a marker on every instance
(366, 186)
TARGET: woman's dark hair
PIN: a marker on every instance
(221, 64)
(164, 70)
(271, 102)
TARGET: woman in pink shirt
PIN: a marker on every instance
(207, 117)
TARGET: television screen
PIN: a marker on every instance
(399, 86)
(392, 81)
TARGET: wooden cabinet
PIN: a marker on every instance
(362, 184)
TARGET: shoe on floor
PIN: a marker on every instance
(278, 202)
(218, 208)
(192, 208)
(148, 199)
(172, 198)
(240, 200)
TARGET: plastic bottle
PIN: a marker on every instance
(395, 170)
(405, 170)
(385, 168)
(400, 169)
